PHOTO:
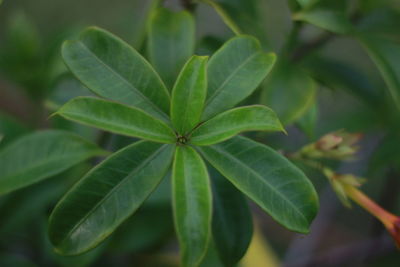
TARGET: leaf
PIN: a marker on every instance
(267, 178)
(386, 56)
(289, 91)
(234, 121)
(192, 204)
(171, 42)
(224, 16)
(116, 118)
(307, 123)
(112, 69)
(234, 72)
(10, 129)
(307, 3)
(232, 225)
(189, 94)
(41, 155)
(107, 195)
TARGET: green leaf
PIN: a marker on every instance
(224, 16)
(307, 3)
(234, 72)
(41, 155)
(189, 94)
(308, 121)
(232, 225)
(268, 178)
(192, 204)
(112, 69)
(107, 195)
(289, 91)
(10, 129)
(170, 42)
(116, 118)
(234, 121)
(386, 56)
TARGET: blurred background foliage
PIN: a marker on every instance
(338, 68)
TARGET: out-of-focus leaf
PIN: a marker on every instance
(289, 91)
(112, 69)
(170, 42)
(267, 178)
(10, 129)
(224, 16)
(386, 56)
(234, 72)
(307, 3)
(234, 121)
(41, 155)
(117, 118)
(192, 204)
(232, 224)
(384, 22)
(387, 154)
(189, 94)
(107, 195)
(15, 260)
(307, 122)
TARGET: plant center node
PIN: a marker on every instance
(181, 140)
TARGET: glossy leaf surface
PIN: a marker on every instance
(232, 224)
(116, 118)
(189, 94)
(41, 155)
(267, 178)
(192, 204)
(112, 69)
(107, 195)
(234, 72)
(170, 42)
(232, 122)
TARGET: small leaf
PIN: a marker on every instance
(41, 155)
(268, 178)
(170, 42)
(107, 195)
(289, 91)
(234, 72)
(116, 118)
(232, 225)
(234, 121)
(192, 204)
(112, 69)
(189, 94)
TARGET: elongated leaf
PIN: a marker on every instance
(232, 122)
(269, 179)
(41, 155)
(234, 72)
(170, 42)
(112, 69)
(232, 225)
(224, 16)
(116, 118)
(107, 195)
(189, 94)
(289, 91)
(192, 204)
(386, 55)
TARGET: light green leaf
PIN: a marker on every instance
(267, 178)
(107, 195)
(234, 72)
(234, 121)
(116, 118)
(289, 91)
(41, 155)
(170, 42)
(189, 94)
(192, 204)
(386, 56)
(112, 69)
(232, 224)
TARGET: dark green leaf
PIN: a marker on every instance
(308, 121)
(268, 178)
(41, 155)
(10, 129)
(117, 118)
(107, 195)
(234, 72)
(189, 94)
(192, 204)
(224, 16)
(232, 224)
(112, 69)
(170, 42)
(234, 121)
